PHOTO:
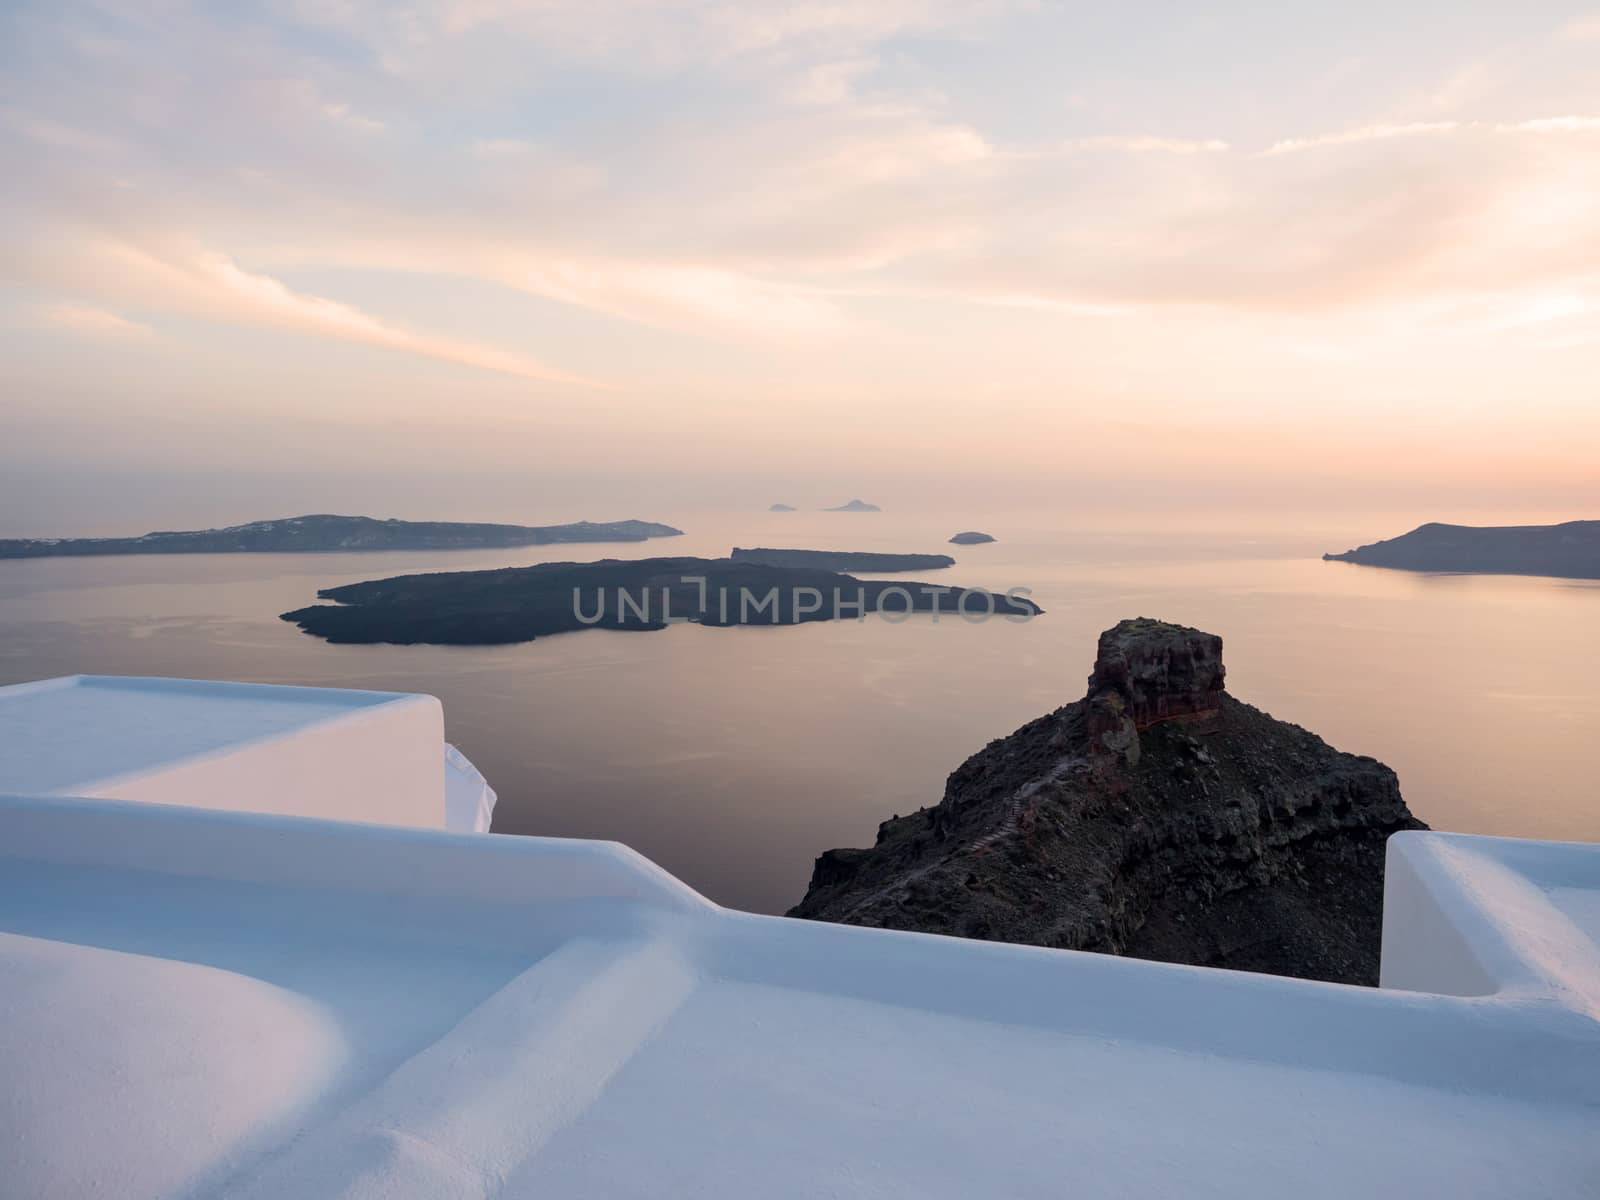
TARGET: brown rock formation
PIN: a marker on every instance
(1158, 817)
(1146, 672)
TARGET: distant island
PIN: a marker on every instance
(855, 506)
(518, 604)
(1567, 551)
(323, 532)
(843, 560)
(782, 508)
(971, 538)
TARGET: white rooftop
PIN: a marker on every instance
(208, 1004)
(81, 730)
(327, 752)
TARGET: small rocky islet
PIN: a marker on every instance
(1158, 817)
(857, 506)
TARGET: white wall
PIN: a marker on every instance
(379, 765)
(1427, 938)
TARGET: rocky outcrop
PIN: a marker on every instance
(1146, 672)
(855, 506)
(971, 537)
(1158, 817)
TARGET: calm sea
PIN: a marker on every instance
(733, 756)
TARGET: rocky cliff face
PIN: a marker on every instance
(1158, 817)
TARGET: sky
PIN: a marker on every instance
(515, 259)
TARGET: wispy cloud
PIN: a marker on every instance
(692, 297)
(752, 178)
(457, 39)
(821, 211)
(1381, 133)
(93, 322)
(261, 297)
(1365, 133)
(343, 114)
(1145, 144)
(209, 285)
(1569, 124)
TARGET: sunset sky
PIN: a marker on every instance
(510, 259)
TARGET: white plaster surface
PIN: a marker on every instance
(468, 799)
(1493, 917)
(346, 755)
(375, 1012)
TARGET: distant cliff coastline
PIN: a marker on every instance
(323, 532)
(518, 604)
(1158, 817)
(1567, 551)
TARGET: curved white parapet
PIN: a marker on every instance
(468, 799)
(203, 1004)
(498, 1016)
(377, 757)
(505, 876)
(1479, 916)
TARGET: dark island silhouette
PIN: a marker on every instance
(782, 508)
(1566, 551)
(971, 538)
(855, 506)
(843, 560)
(324, 532)
(518, 604)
